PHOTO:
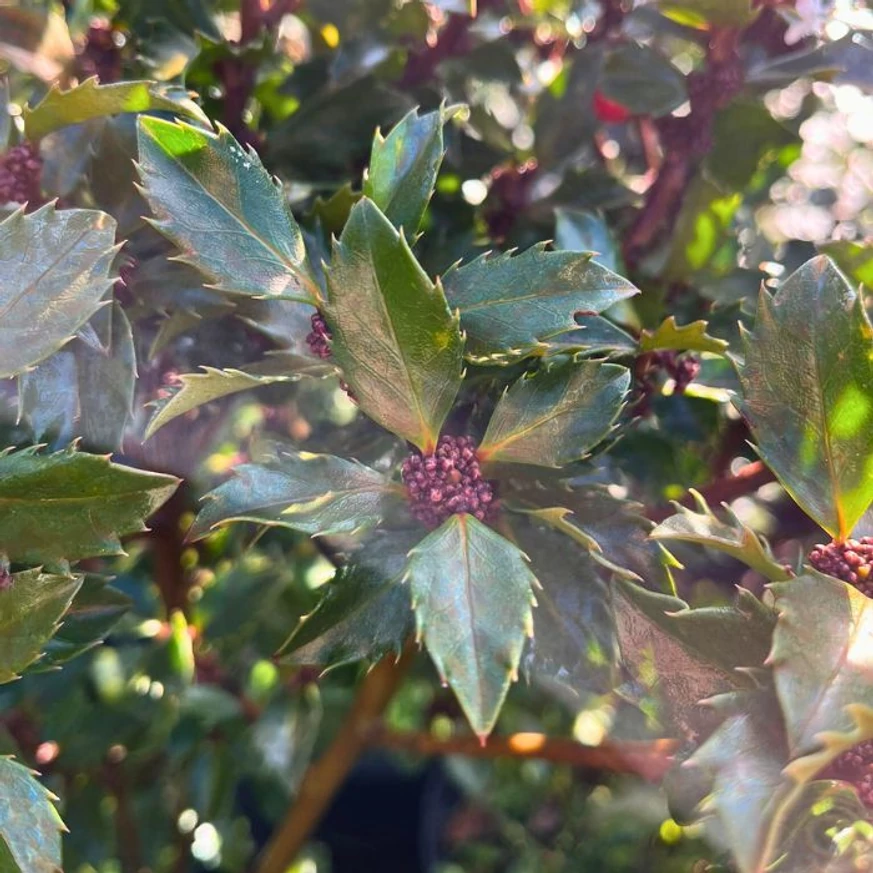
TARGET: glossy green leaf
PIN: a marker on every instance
(734, 537)
(71, 505)
(31, 605)
(56, 268)
(245, 240)
(808, 393)
(614, 532)
(745, 757)
(394, 337)
(684, 655)
(822, 660)
(556, 415)
(687, 337)
(365, 611)
(212, 384)
(580, 230)
(574, 649)
(511, 305)
(95, 610)
(722, 13)
(318, 494)
(404, 167)
(92, 100)
(5, 117)
(472, 592)
(642, 80)
(30, 827)
(48, 397)
(854, 259)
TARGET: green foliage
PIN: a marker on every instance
(248, 242)
(71, 505)
(474, 634)
(807, 381)
(394, 337)
(56, 267)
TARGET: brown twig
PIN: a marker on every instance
(326, 775)
(128, 843)
(651, 760)
(744, 481)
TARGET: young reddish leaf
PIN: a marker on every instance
(556, 415)
(90, 99)
(55, 268)
(822, 661)
(71, 505)
(807, 386)
(318, 494)
(512, 304)
(404, 167)
(365, 611)
(31, 606)
(472, 592)
(245, 239)
(30, 827)
(394, 337)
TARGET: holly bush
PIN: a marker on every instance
(376, 337)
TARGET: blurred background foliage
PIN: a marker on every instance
(610, 126)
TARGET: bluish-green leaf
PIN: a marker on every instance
(55, 268)
(31, 605)
(72, 505)
(822, 661)
(318, 494)
(365, 612)
(90, 100)
(394, 337)
(30, 827)
(642, 80)
(580, 230)
(244, 238)
(472, 592)
(512, 305)
(556, 415)
(404, 167)
(808, 393)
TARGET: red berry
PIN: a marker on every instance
(609, 111)
(448, 482)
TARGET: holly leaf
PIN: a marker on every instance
(556, 415)
(404, 167)
(95, 610)
(71, 505)
(683, 655)
(365, 612)
(511, 305)
(745, 757)
(31, 605)
(807, 382)
(212, 384)
(574, 648)
(245, 239)
(688, 337)
(822, 662)
(721, 13)
(317, 494)
(394, 337)
(580, 230)
(642, 80)
(854, 259)
(472, 592)
(734, 538)
(56, 268)
(90, 99)
(30, 827)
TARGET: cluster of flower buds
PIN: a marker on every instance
(508, 195)
(683, 369)
(855, 767)
(318, 339)
(20, 174)
(101, 53)
(851, 561)
(448, 482)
